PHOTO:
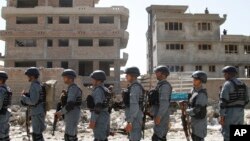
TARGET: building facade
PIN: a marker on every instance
(66, 34)
(187, 42)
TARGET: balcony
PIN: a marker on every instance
(72, 34)
(48, 10)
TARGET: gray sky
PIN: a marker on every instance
(238, 20)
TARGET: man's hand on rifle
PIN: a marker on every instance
(23, 92)
(128, 128)
(221, 120)
(92, 125)
(157, 120)
(58, 114)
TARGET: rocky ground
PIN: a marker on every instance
(18, 132)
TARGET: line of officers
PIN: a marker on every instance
(233, 98)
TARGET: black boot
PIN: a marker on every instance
(70, 138)
(196, 138)
(100, 140)
(154, 137)
(37, 137)
(5, 139)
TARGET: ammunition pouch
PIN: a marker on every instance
(98, 108)
(90, 102)
(78, 101)
(153, 97)
(70, 106)
(201, 113)
(126, 97)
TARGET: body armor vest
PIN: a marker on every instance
(154, 95)
(7, 100)
(105, 104)
(64, 98)
(203, 109)
(126, 96)
(238, 97)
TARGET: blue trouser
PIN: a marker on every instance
(4, 125)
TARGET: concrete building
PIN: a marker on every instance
(187, 42)
(68, 34)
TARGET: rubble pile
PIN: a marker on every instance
(18, 130)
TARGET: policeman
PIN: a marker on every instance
(71, 108)
(233, 98)
(34, 100)
(197, 106)
(160, 108)
(98, 105)
(5, 101)
(133, 100)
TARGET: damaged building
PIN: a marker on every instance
(66, 34)
(186, 42)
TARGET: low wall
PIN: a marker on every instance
(19, 82)
(213, 86)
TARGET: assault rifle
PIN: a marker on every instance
(58, 108)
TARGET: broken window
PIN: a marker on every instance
(63, 20)
(176, 68)
(229, 49)
(64, 64)
(174, 47)
(212, 68)
(25, 64)
(49, 64)
(85, 42)
(106, 66)
(173, 26)
(25, 43)
(63, 42)
(198, 68)
(204, 26)
(27, 3)
(86, 19)
(50, 20)
(106, 42)
(106, 19)
(26, 20)
(65, 3)
(247, 49)
(204, 47)
(49, 43)
(85, 68)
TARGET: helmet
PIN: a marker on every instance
(201, 75)
(3, 75)
(69, 72)
(32, 71)
(98, 75)
(229, 69)
(133, 70)
(162, 69)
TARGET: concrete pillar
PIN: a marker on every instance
(117, 86)
(96, 65)
(51, 92)
(242, 71)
